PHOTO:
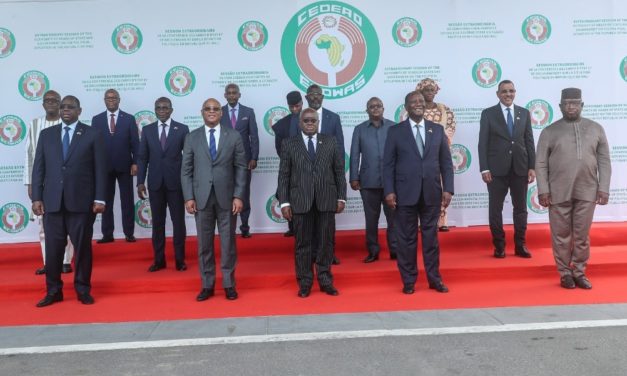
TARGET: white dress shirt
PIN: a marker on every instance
(216, 135)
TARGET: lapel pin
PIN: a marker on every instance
(430, 130)
(79, 133)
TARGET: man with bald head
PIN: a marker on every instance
(213, 177)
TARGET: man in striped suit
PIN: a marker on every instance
(312, 189)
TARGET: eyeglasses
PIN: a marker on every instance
(310, 121)
(373, 106)
(68, 107)
(211, 109)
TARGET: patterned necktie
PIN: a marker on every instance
(510, 122)
(163, 137)
(66, 142)
(212, 145)
(419, 143)
(233, 118)
(310, 149)
(112, 124)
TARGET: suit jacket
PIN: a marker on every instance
(366, 161)
(304, 183)
(75, 183)
(226, 175)
(122, 146)
(332, 126)
(498, 151)
(247, 126)
(407, 174)
(164, 165)
(282, 131)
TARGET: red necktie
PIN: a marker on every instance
(233, 118)
(112, 124)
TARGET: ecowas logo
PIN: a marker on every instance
(541, 113)
(536, 29)
(32, 85)
(12, 130)
(623, 68)
(143, 118)
(486, 72)
(532, 201)
(143, 214)
(407, 32)
(273, 209)
(461, 158)
(14, 217)
(331, 44)
(252, 35)
(272, 116)
(7, 43)
(400, 114)
(180, 81)
(126, 38)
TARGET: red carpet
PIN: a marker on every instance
(125, 291)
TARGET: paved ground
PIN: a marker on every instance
(556, 340)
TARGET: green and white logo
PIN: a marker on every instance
(400, 114)
(143, 118)
(272, 116)
(532, 201)
(273, 210)
(143, 214)
(461, 158)
(126, 38)
(331, 44)
(536, 29)
(252, 35)
(12, 130)
(7, 43)
(541, 113)
(406, 32)
(33, 84)
(486, 72)
(623, 68)
(180, 81)
(14, 217)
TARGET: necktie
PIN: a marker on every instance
(212, 145)
(233, 118)
(310, 149)
(163, 137)
(112, 124)
(66, 141)
(510, 122)
(419, 143)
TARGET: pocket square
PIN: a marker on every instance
(245, 118)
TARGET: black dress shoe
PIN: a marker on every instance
(371, 258)
(583, 282)
(230, 293)
(130, 239)
(499, 253)
(438, 286)
(67, 268)
(336, 261)
(567, 282)
(392, 256)
(156, 267)
(444, 229)
(329, 290)
(204, 294)
(288, 233)
(522, 252)
(49, 299)
(41, 270)
(105, 239)
(86, 298)
(246, 234)
(181, 267)
(304, 292)
(408, 288)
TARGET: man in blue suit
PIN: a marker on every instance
(160, 156)
(68, 189)
(416, 155)
(121, 139)
(241, 118)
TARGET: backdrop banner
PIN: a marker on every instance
(189, 50)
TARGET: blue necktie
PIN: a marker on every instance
(310, 149)
(419, 142)
(510, 122)
(212, 145)
(66, 141)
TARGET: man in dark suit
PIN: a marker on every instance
(366, 176)
(312, 189)
(68, 189)
(213, 177)
(121, 138)
(282, 131)
(416, 155)
(160, 155)
(506, 159)
(242, 119)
